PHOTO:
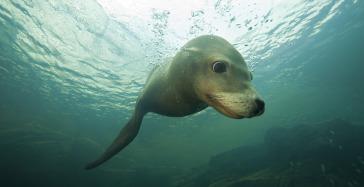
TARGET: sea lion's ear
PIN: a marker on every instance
(192, 49)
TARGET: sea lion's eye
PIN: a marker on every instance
(218, 67)
(251, 75)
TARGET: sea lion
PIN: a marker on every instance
(207, 71)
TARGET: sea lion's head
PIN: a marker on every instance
(222, 78)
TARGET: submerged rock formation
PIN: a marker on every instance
(328, 154)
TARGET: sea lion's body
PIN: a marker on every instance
(170, 99)
(207, 71)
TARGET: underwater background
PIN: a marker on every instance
(70, 72)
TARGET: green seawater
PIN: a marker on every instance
(70, 72)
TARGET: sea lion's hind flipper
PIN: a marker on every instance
(126, 135)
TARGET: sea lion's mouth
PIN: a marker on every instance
(214, 102)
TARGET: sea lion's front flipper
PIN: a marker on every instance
(127, 134)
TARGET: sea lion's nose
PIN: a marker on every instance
(260, 107)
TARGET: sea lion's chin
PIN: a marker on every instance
(229, 113)
(234, 116)
(218, 106)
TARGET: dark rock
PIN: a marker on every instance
(325, 154)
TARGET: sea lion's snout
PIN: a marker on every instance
(260, 107)
(237, 105)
